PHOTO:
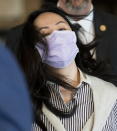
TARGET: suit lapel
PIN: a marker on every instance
(97, 23)
(100, 29)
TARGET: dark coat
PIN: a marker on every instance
(106, 49)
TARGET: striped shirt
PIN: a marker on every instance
(83, 98)
(111, 123)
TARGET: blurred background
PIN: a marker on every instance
(14, 12)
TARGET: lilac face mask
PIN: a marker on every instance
(62, 49)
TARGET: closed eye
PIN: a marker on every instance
(44, 35)
(61, 29)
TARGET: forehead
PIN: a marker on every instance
(48, 18)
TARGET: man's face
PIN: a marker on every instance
(74, 7)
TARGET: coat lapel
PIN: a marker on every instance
(100, 30)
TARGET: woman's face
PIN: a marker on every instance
(56, 57)
(48, 22)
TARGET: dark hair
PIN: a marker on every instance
(38, 73)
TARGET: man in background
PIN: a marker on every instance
(94, 23)
(15, 106)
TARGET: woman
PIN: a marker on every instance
(64, 97)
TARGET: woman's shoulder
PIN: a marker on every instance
(99, 82)
(101, 87)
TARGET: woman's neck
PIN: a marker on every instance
(71, 73)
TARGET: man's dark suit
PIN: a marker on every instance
(106, 49)
(15, 107)
(106, 31)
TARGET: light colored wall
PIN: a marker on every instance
(13, 12)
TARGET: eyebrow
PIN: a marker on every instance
(60, 22)
(46, 27)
